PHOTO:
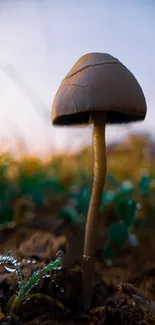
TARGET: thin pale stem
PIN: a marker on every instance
(99, 174)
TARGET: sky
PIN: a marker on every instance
(40, 42)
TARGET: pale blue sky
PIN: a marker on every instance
(41, 40)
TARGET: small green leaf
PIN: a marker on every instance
(111, 180)
(107, 198)
(108, 251)
(68, 214)
(125, 191)
(118, 233)
(10, 304)
(144, 185)
(126, 210)
(50, 299)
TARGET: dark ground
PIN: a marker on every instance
(123, 294)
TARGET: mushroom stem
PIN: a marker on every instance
(99, 174)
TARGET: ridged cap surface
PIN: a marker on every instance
(98, 82)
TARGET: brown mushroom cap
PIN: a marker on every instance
(98, 82)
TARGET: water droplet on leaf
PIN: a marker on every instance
(9, 268)
(59, 255)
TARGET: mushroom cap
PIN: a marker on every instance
(98, 82)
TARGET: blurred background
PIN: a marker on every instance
(41, 40)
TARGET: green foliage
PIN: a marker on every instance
(7, 194)
(10, 259)
(118, 234)
(35, 183)
(37, 186)
(107, 198)
(126, 210)
(111, 181)
(77, 211)
(41, 181)
(69, 215)
(144, 186)
(124, 197)
(119, 231)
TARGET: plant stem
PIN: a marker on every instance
(31, 282)
(99, 174)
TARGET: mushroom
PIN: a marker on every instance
(99, 89)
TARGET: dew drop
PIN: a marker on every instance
(9, 268)
(33, 261)
(28, 261)
(60, 255)
(58, 268)
(46, 276)
(86, 258)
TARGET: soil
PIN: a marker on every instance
(123, 293)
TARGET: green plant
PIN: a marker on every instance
(119, 232)
(7, 190)
(144, 186)
(37, 185)
(76, 210)
(10, 259)
(111, 181)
